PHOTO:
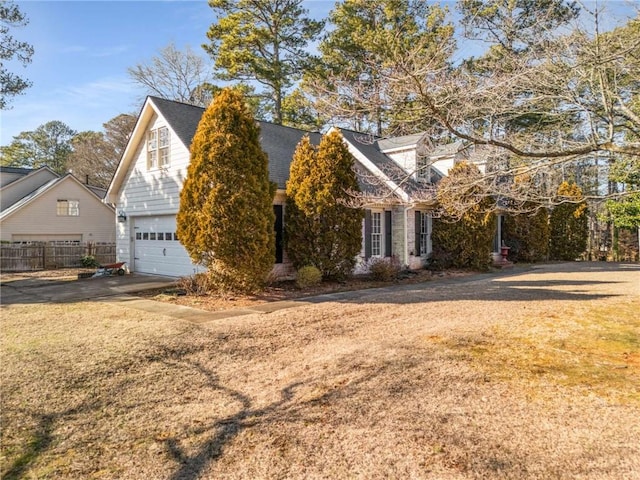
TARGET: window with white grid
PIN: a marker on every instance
(158, 148)
(68, 208)
(376, 234)
(423, 169)
(425, 233)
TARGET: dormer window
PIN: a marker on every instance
(158, 148)
(423, 169)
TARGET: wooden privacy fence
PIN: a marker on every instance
(43, 256)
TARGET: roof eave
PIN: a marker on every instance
(146, 112)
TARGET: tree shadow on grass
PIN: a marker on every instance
(40, 442)
(478, 288)
(226, 429)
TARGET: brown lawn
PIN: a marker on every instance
(533, 375)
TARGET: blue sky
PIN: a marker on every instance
(83, 50)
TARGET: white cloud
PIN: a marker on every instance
(97, 93)
(94, 52)
(110, 51)
(73, 49)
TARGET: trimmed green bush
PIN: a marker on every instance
(463, 236)
(308, 276)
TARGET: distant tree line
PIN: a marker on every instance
(90, 156)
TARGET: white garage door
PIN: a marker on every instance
(157, 249)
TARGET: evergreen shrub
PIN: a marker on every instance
(226, 217)
(527, 235)
(320, 228)
(568, 222)
(308, 276)
(463, 239)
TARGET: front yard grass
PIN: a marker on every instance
(463, 380)
(591, 351)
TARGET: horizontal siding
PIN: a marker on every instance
(444, 165)
(149, 192)
(406, 159)
(153, 192)
(123, 242)
(95, 222)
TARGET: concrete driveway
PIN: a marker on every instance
(15, 290)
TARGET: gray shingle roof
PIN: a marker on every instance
(97, 191)
(19, 170)
(368, 145)
(399, 142)
(277, 141)
(446, 150)
(24, 200)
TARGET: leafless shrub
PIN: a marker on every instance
(198, 284)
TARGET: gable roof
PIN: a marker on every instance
(448, 149)
(399, 143)
(279, 142)
(392, 177)
(182, 117)
(28, 198)
(23, 183)
(16, 174)
(17, 170)
(97, 191)
(51, 184)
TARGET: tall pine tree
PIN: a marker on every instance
(364, 50)
(320, 229)
(226, 215)
(262, 41)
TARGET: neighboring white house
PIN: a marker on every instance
(146, 190)
(42, 206)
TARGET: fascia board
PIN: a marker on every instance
(146, 113)
(369, 165)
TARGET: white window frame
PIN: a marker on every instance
(376, 234)
(67, 208)
(158, 148)
(425, 234)
(423, 169)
